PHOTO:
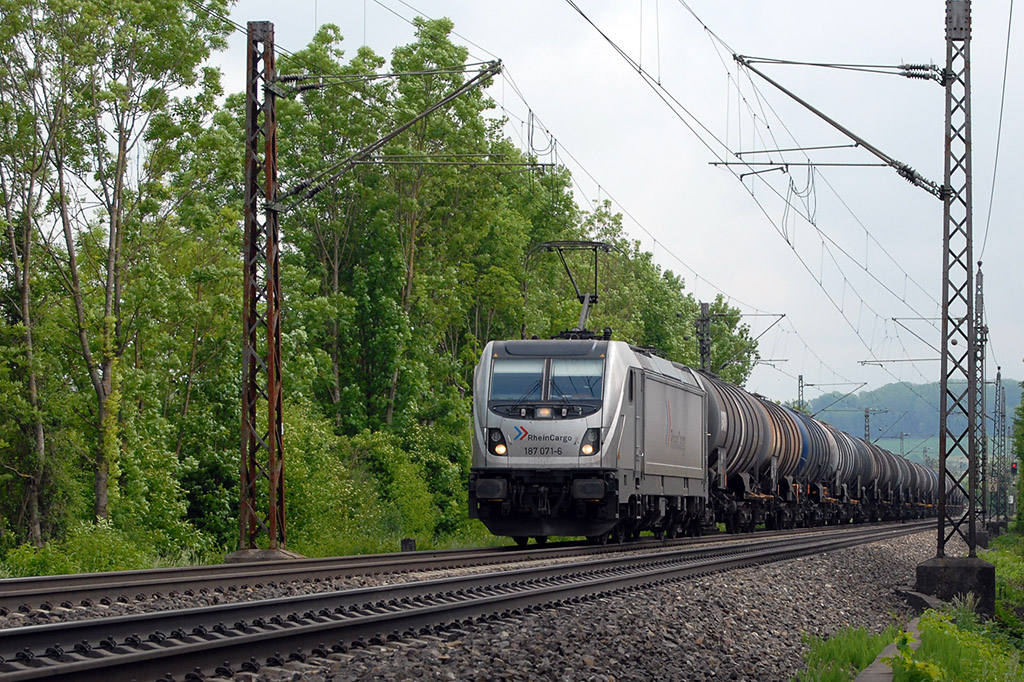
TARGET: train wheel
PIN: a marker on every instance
(619, 534)
(541, 539)
(521, 540)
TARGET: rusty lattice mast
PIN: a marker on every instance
(262, 455)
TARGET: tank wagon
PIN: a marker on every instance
(595, 437)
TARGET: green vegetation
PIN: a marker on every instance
(839, 658)
(121, 173)
(954, 646)
(91, 548)
(1006, 553)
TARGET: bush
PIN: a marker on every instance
(322, 501)
(351, 495)
(400, 482)
(444, 458)
(87, 548)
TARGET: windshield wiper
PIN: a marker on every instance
(526, 394)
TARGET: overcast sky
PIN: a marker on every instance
(874, 249)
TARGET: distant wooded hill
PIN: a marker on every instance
(910, 408)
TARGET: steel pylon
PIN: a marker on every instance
(981, 430)
(959, 382)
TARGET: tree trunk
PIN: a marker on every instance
(101, 474)
(100, 382)
(191, 373)
(412, 219)
(20, 245)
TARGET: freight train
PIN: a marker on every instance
(594, 437)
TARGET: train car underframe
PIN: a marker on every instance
(745, 503)
(527, 503)
(540, 503)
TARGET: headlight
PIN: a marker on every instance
(496, 442)
(591, 443)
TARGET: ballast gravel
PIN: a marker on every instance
(748, 624)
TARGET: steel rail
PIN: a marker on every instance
(20, 593)
(199, 639)
(67, 591)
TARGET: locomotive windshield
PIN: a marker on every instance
(576, 379)
(519, 380)
(558, 380)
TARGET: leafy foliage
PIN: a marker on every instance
(911, 669)
(87, 548)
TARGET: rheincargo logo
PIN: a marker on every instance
(521, 433)
(549, 438)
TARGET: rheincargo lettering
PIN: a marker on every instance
(549, 438)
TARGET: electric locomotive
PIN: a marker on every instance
(567, 431)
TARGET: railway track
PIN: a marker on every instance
(229, 638)
(68, 591)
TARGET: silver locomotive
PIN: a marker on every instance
(594, 437)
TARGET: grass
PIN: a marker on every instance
(840, 657)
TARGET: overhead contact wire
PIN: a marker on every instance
(999, 129)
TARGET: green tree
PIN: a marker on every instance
(130, 67)
(30, 104)
(429, 197)
(331, 231)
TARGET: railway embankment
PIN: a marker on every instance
(747, 624)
